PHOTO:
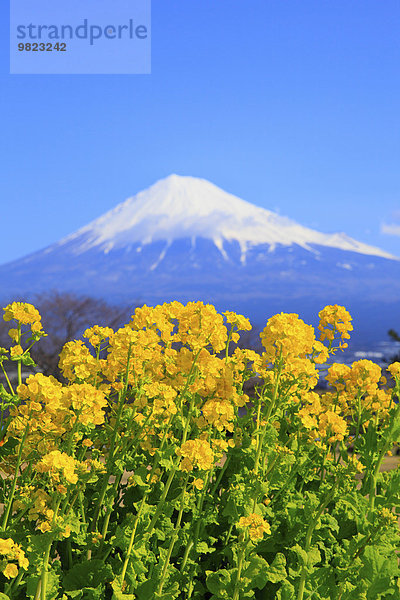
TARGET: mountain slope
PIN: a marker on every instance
(187, 207)
(186, 239)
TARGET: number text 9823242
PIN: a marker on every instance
(42, 47)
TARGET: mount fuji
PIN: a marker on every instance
(186, 239)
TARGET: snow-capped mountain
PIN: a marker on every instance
(186, 239)
(187, 207)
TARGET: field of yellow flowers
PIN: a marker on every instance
(147, 473)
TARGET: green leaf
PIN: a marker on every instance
(326, 520)
(204, 548)
(118, 595)
(378, 587)
(140, 476)
(9, 398)
(28, 361)
(146, 590)
(217, 582)
(171, 593)
(4, 596)
(301, 554)
(286, 592)
(87, 593)
(89, 574)
(313, 557)
(9, 447)
(376, 565)
(322, 582)
(230, 509)
(51, 589)
(257, 571)
(277, 569)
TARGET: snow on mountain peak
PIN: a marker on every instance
(189, 207)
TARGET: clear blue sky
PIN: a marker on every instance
(291, 104)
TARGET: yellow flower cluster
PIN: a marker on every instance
(287, 336)
(195, 324)
(138, 350)
(76, 362)
(10, 551)
(386, 517)
(23, 312)
(364, 375)
(163, 397)
(359, 384)
(256, 525)
(394, 369)
(51, 410)
(323, 423)
(41, 505)
(16, 351)
(299, 374)
(237, 322)
(86, 401)
(219, 413)
(337, 374)
(320, 353)
(334, 319)
(56, 463)
(97, 334)
(196, 453)
(201, 325)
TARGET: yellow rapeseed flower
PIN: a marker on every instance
(256, 525)
(57, 462)
(287, 335)
(16, 351)
(10, 571)
(23, 312)
(335, 318)
(394, 369)
(196, 453)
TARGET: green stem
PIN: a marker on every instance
(170, 477)
(228, 342)
(109, 511)
(307, 545)
(160, 505)
(131, 540)
(137, 517)
(45, 570)
(260, 438)
(174, 537)
(7, 379)
(82, 508)
(193, 542)
(42, 583)
(374, 476)
(239, 570)
(109, 465)
(19, 364)
(14, 484)
(220, 475)
(228, 535)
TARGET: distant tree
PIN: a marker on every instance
(394, 335)
(65, 316)
(396, 338)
